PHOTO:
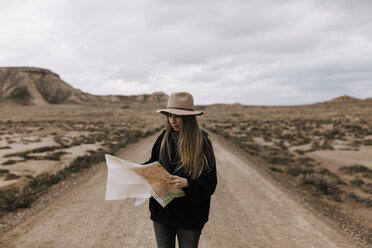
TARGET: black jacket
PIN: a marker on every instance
(189, 212)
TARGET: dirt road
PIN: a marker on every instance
(248, 210)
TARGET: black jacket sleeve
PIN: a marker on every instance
(203, 187)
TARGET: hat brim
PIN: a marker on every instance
(178, 112)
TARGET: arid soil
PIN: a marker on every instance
(323, 150)
(248, 210)
(318, 155)
(40, 146)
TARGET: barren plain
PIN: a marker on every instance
(296, 176)
(322, 151)
(39, 146)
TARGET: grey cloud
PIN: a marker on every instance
(254, 52)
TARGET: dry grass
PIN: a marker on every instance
(325, 183)
(287, 143)
(109, 127)
(355, 169)
(294, 132)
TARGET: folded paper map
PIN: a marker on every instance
(129, 180)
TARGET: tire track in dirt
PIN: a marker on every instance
(248, 210)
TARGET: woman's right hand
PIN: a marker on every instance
(177, 182)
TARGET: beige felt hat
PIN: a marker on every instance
(180, 103)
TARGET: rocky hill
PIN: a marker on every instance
(345, 98)
(36, 86)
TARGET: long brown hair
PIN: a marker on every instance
(193, 147)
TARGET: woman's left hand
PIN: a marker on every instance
(177, 182)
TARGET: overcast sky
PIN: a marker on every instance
(264, 52)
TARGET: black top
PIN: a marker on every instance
(191, 211)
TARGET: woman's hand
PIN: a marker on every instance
(177, 182)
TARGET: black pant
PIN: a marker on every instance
(166, 236)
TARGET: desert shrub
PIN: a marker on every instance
(281, 145)
(357, 182)
(297, 170)
(341, 136)
(326, 146)
(300, 152)
(12, 199)
(3, 171)
(267, 138)
(306, 161)
(322, 182)
(11, 176)
(27, 155)
(367, 187)
(74, 142)
(252, 147)
(45, 149)
(61, 141)
(316, 145)
(54, 156)
(277, 131)
(40, 184)
(85, 161)
(243, 128)
(356, 143)
(122, 143)
(356, 197)
(9, 162)
(134, 136)
(358, 131)
(89, 140)
(325, 171)
(355, 169)
(275, 156)
(302, 140)
(53, 179)
(316, 133)
(236, 114)
(367, 142)
(5, 147)
(282, 159)
(367, 174)
(255, 132)
(24, 155)
(276, 169)
(337, 198)
(369, 202)
(330, 134)
(289, 137)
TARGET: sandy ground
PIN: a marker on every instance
(345, 158)
(36, 168)
(248, 210)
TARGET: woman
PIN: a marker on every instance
(186, 153)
